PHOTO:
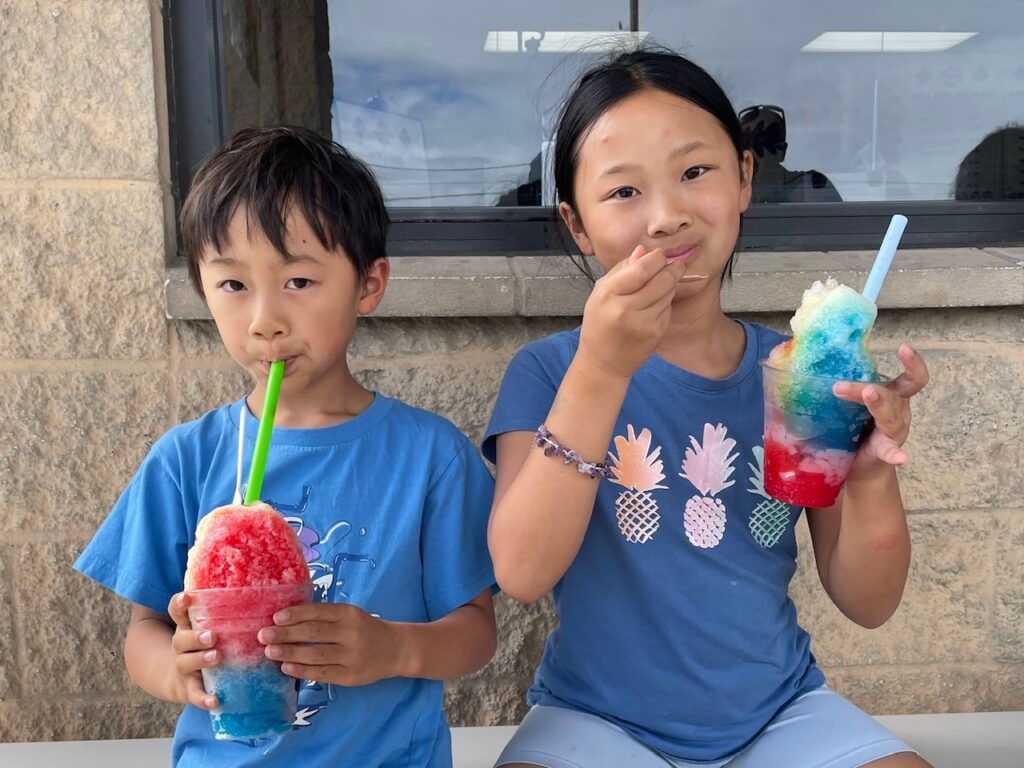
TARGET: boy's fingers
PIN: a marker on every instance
(177, 609)
(197, 695)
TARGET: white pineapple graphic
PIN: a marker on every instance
(771, 517)
(638, 470)
(708, 465)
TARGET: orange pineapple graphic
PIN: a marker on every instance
(708, 465)
(638, 470)
(771, 517)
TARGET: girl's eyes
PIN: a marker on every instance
(695, 173)
(299, 283)
(624, 193)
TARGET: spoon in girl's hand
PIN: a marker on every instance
(692, 278)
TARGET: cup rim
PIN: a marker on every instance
(882, 378)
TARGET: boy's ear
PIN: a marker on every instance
(372, 292)
(575, 227)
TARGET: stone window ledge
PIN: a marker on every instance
(546, 286)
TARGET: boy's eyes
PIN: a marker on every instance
(695, 173)
(231, 286)
(299, 283)
(624, 193)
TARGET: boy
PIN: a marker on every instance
(284, 234)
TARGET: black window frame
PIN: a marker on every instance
(197, 122)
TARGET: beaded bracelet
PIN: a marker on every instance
(542, 439)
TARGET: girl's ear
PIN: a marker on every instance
(746, 179)
(575, 227)
(372, 292)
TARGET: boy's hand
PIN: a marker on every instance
(890, 407)
(193, 651)
(332, 643)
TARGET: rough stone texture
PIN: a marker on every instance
(85, 266)
(1007, 563)
(967, 442)
(460, 389)
(86, 717)
(9, 687)
(73, 439)
(77, 83)
(79, 624)
(944, 616)
(883, 690)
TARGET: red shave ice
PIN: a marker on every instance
(239, 546)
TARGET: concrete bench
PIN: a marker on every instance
(975, 740)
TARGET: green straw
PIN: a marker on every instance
(259, 457)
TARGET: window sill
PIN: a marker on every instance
(546, 286)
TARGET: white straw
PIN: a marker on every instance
(873, 285)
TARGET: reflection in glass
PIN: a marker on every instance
(451, 102)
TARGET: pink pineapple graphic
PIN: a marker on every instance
(708, 465)
(639, 470)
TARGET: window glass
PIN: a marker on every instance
(909, 100)
(451, 102)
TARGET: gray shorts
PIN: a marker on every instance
(819, 729)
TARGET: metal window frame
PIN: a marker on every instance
(195, 73)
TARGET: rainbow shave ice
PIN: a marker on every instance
(810, 435)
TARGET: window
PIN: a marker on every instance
(854, 111)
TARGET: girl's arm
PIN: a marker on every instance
(343, 644)
(861, 544)
(164, 655)
(542, 506)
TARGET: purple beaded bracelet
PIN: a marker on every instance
(542, 439)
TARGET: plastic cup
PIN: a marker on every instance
(810, 437)
(256, 699)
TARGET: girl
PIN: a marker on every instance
(678, 643)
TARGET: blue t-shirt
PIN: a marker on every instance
(391, 508)
(676, 622)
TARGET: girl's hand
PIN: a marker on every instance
(890, 407)
(193, 651)
(332, 643)
(628, 312)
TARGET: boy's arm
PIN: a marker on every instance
(342, 644)
(164, 656)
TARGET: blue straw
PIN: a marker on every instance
(873, 285)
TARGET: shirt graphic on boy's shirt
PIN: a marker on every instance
(325, 569)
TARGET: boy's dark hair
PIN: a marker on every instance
(271, 172)
(627, 73)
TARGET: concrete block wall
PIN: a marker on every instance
(92, 373)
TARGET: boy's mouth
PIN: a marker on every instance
(289, 363)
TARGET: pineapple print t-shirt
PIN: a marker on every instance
(675, 617)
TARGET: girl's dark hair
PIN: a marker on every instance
(271, 172)
(629, 72)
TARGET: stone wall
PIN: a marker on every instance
(92, 373)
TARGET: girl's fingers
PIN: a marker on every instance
(889, 451)
(177, 609)
(915, 375)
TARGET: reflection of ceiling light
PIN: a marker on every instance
(886, 42)
(526, 41)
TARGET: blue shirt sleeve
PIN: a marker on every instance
(456, 563)
(528, 389)
(141, 549)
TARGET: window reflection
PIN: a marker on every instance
(451, 102)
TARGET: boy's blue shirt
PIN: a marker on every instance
(676, 622)
(391, 508)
